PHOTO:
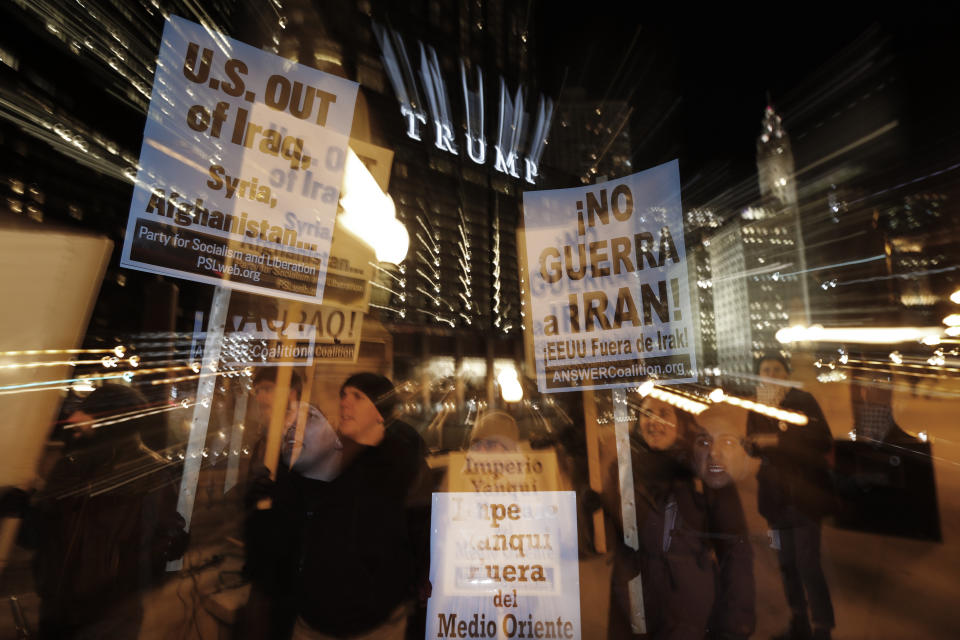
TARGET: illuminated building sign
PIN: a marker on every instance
(419, 113)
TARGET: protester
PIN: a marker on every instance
(105, 523)
(794, 493)
(309, 448)
(495, 432)
(694, 564)
(354, 550)
(719, 460)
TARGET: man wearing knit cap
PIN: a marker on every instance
(358, 549)
(367, 401)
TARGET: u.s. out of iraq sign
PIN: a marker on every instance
(608, 283)
(240, 168)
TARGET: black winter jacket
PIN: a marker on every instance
(794, 472)
(347, 552)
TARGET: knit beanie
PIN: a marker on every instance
(379, 389)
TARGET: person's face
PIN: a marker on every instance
(773, 369)
(359, 418)
(717, 458)
(263, 395)
(658, 425)
(318, 443)
(82, 419)
(874, 390)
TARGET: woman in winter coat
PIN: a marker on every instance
(694, 566)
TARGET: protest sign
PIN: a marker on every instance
(481, 472)
(327, 334)
(240, 168)
(504, 566)
(608, 283)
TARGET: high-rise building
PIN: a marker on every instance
(757, 262)
(590, 138)
(699, 225)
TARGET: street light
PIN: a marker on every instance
(510, 388)
(370, 213)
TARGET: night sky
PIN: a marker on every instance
(719, 67)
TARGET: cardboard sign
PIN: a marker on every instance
(329, 335)
(608, 283)
(503, 472)
(504, 566)
(240, 168)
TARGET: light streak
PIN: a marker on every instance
(401, 281)
(433, 283)
(105, 361)
(673, 398)
(901, 276)
(438, 318)
(850, 147)
(399, 294)
(428, 244)
(863, 335)
(118, 351)
(836, 265)
(69, 381)
(400, 312)
(908, 182)
(124, 417)
(791, 417)
(899, 364)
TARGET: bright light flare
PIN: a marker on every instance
(863, 335)
(645, 388)
(370, 213)
(510, 388)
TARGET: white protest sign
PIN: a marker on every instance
(504, 566)
(240, 168)
(326, 334)
(608, 283)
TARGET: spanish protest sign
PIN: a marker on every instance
(240, 169)
(608, 283)
(504, 566)
(483, 472)
(317, 334)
